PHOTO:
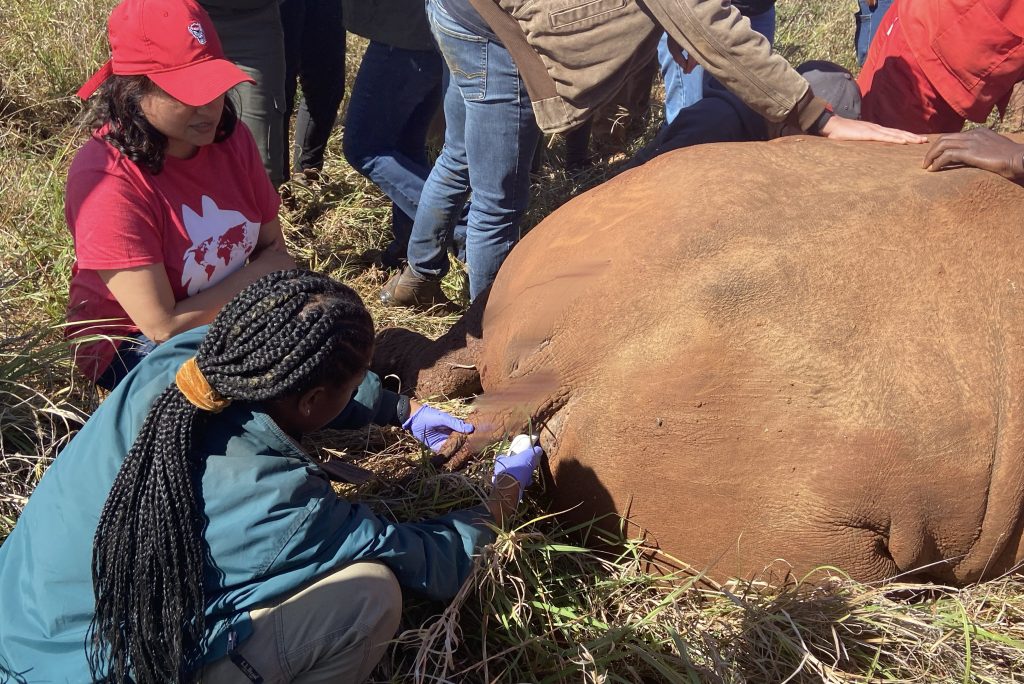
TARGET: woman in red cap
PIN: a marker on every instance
(169, 206)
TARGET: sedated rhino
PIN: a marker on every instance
(799, 351)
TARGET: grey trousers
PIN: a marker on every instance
(254, 40)
(333, 630)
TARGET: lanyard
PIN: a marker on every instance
(241, 663)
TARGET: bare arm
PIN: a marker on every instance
(981, 148)
(271, 237)
(145, 292)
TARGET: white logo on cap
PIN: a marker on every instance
(196, 29)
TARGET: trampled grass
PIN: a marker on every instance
(546, 603)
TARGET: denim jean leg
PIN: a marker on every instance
(684, 90)
(868, 21)
(501, 138)
(764, 24)
(447, 187)
(322, 75)
(681, 89)
(412, 144)
(394, 97)
(130, 353)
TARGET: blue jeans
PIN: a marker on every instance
(314, 49)
(868, 21)
(129, 354)
(490, 138)
(395, 96)
(683, 90)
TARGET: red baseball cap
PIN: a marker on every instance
(173, 42)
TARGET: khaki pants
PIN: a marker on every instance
(334, 630)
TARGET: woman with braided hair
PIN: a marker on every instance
(184, 533)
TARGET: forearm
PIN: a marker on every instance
(202, 307)
(718, 37)
(271, 237)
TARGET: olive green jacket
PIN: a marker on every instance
(574, 55)
(399, 23)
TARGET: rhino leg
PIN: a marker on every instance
(445, 367)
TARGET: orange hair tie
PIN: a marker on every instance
(193, 384)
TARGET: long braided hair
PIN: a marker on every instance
(282, 335)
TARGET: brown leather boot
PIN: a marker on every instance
(408, 288)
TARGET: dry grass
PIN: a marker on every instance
(546, 603)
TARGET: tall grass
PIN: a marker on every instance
(38, 412)
(550, 603)
(546, 603)
(47, 50)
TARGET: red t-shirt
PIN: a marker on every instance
(199, 217)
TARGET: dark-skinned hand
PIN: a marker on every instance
(981, 148)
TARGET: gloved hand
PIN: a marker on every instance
(432, 428)
(520, 465)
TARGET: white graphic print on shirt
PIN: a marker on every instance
(221, 240)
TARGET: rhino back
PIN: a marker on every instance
(800, 350)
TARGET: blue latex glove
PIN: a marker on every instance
(519, 465)
(432, 428)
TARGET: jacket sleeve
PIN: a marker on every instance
(721, 40)
(432, 557)
(371, 404)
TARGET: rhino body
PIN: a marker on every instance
(768, 355)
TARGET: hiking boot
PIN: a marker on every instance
(408, 288)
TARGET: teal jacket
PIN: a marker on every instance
(274, 523)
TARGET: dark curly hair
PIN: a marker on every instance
(278, 337)
(117, 105)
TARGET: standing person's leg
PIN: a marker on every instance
(869, 17)
(412, 144)
(322, 74)
(501, 136)
(764, 24)
(681, 89)
(293, 17)
(129, 354)
(255, 42)
(394, 98)
(447, 187)
(333, 630)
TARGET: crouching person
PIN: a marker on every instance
(184, 533)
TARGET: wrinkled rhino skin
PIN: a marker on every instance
(796, 353)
